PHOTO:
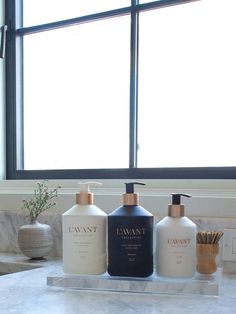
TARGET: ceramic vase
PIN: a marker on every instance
(35, 240)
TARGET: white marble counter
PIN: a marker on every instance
(27, 292)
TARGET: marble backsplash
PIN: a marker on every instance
(10, 222)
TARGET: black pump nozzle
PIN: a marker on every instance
(176, 198)
(130, 186)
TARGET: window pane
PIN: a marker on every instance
(76, 96)
(44, 11)
(187, 85)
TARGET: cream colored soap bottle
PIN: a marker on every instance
(176, 242)
(84, 235)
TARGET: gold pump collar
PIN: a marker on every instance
(176, 211)
(131, 199)
(84, 198)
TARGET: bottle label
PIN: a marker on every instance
(179, 247)
(130, 233)
(183, 242)
(130, 246)
(176, 255)
(82, 229)
(84, 245)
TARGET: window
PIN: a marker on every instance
(120, 89)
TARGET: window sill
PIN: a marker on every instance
(210, 198)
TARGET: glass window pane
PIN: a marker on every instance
(76, 96)
(44, 11)
(187, 85)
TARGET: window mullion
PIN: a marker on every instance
(133, 86)
(14, 94)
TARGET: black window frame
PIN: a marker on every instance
(14, 103)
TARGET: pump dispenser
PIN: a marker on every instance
(176, 209)
(130, 198)
(85, 197)
(84, 235)
(176, 242)
(130, 237)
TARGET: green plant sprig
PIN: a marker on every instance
(41, 200)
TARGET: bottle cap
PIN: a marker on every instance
(85, 197)
(176, 209)
(130, 198)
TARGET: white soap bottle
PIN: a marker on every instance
(176, 242)
(84, 235)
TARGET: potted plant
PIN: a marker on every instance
(35, 239)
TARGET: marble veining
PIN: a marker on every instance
(27, 292)
(10, 222)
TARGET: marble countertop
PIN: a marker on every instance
(27, 292)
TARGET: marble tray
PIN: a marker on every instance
(199, 285)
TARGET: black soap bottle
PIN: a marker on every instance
(130, 237)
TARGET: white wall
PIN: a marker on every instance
(2, 104)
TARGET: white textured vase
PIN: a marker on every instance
(35, 239)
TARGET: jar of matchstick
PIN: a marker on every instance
(206, 254)
(207, 250)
